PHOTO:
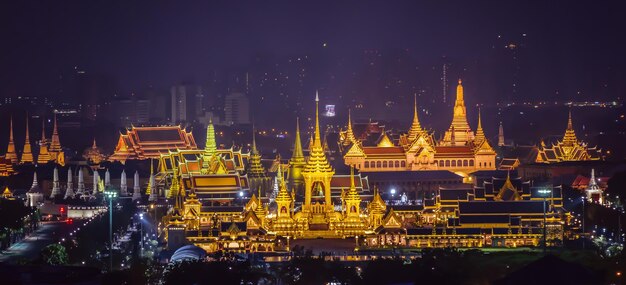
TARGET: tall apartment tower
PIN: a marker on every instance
(237, 109)
(184, 99)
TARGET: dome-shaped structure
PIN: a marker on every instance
(188, 252)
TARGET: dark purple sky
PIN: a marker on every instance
(161, 42)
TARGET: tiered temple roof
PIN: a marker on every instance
(151, 142)
(221, 178)
(459, 151)
(567, 149)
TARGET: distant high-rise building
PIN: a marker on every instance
(130, 111)
(236, 109)
(184, 103)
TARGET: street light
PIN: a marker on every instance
(544, 193)
(111, 194)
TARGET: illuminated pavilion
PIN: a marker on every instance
(150, 142)
(498, 212)
(567, 149)
(460, 150)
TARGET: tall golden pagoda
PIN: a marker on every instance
(317, 172)
(349, 138)
(284, 206)
(569, 138)
(297, 163)
(210, 146)
(256, 172)
(463, 134)
(27, 154)
(11, 154)
(55, 144)
(44, 155)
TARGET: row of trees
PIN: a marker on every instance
(16, 221)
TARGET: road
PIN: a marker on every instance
(29, 248)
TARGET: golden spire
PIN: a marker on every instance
(283, 195)
(569, 139)
(298, 154)
(211, 144)
(416, 127)
(352, 193)
(175, 186)
(317, 141)
(11, 155)
(459, 93)
(501, 135)
(569, 120)
(254, 150)
(55, 143)
(317, 158)
(149, 189)
(459, 125)
(480, 140)
(350, 138)
(255, 168)
(44, 155)
(480, 134)
(27, 154)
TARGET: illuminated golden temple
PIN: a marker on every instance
(567, 149)
(460, 150)
(209, 212)
(49, 151)
(150, 142)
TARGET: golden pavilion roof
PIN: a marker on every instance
(568, 149)
(508, 192)
(7, 194)
(150, 142)
(385, 141)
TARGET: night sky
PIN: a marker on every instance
(571, 45)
